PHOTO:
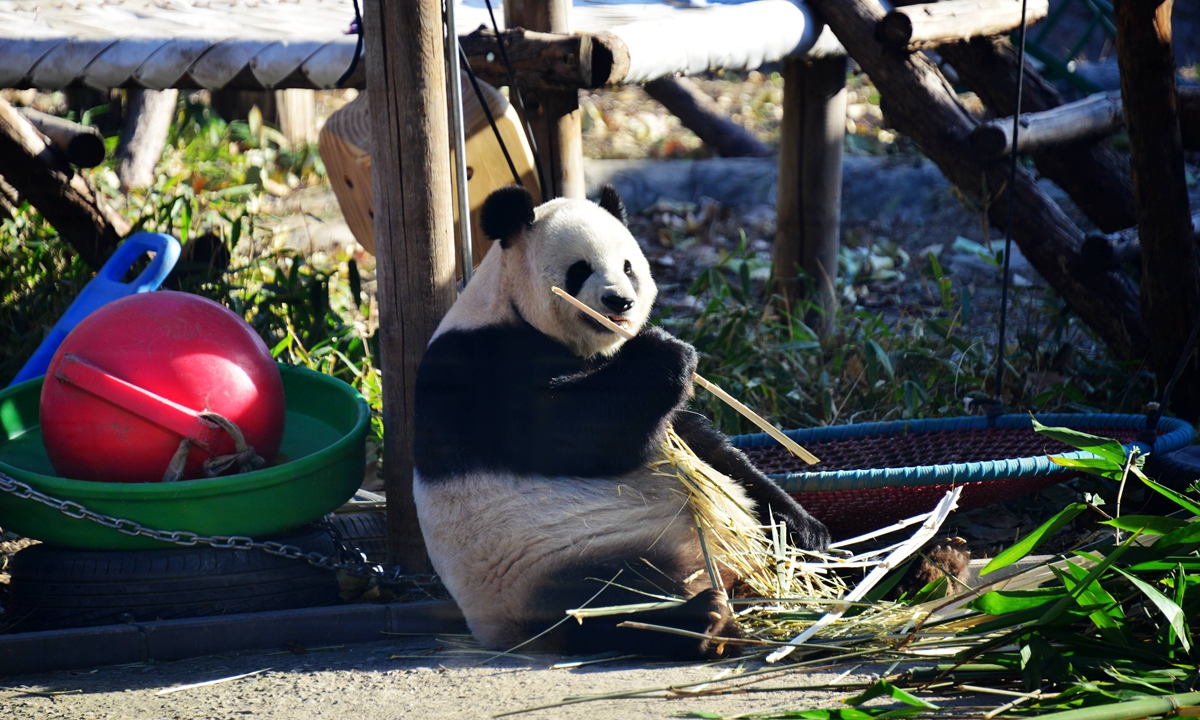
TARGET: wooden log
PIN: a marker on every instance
(60, 194)
(82, 145)
(928, 25)
(1095, 175)
(809, 192)
(1092, 117)
(296, 113)
(700, 114)
(1189, 117)
(554, 115)
(1170, 276)
(547, 61)
(144, 136)
(922, 104)
(414, 211)
(1109, 252)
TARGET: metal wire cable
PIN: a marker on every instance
(516, 93)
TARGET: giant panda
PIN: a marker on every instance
(534, 425)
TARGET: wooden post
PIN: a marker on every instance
(1170, 289)
(809, 193)
(554, 115)
(297, 114)
(414, 220)
(144, 136)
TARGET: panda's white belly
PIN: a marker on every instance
(493, 538)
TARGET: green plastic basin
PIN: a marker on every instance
(323, 441)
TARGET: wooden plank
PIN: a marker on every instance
(1092, 117)
(809, 194)
(414, 224)
(1170, 276)
(921, 103)
(554, 115)
(62, 196)
(1095, 175)
(928, 25)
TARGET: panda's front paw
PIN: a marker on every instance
(663, 357)
(804, 531)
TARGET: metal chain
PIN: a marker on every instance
(392, 576)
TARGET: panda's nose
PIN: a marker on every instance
(616, 303)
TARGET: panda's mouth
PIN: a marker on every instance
(595, 324)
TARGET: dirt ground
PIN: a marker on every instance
(411, 677)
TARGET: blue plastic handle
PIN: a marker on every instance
(106, 287)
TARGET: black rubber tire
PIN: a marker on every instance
(366, 531)
(54, 587)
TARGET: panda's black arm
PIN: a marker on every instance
(513, 399)
(714, 448)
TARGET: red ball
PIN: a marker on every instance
(129, 382)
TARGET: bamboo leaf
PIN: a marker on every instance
(1172, 612)
(1100, 446)
(1094, 465)
(1002, 602)
(1031, 542)
(1147, 524)
(1175, 497)
(884, 688)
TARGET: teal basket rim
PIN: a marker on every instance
(1176, 434)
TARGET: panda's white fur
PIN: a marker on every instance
(498, 538)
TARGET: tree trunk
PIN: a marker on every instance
(1095, 175)
(553, 114)
(698, 113)
(151, 113)
(414, 221)
(42, 176)
(1170, 277)
(920, 103)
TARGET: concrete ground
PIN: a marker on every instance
(410, 677)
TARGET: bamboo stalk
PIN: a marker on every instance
(729, 400)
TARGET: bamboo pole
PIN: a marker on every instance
(728, 399)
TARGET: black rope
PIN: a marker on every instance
(1012, 204)
(487, 111)
(356, 28)
(515, 91)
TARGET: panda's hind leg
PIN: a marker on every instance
(706, 615)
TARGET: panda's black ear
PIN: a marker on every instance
(611, 201)
(506, 213)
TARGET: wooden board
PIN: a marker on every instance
(345, 146)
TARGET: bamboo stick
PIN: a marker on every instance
(749, 414)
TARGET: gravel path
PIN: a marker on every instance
(412, 677)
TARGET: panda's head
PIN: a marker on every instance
(579, 246)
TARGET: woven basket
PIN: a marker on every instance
(875, 474)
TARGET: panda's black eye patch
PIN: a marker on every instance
(577, 275)
(629, 268)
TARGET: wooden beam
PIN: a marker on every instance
(809, 192)
(553, 114)
(1109, 252)
(1095, 175)
(1189, 117)
(43, 177)
(701, 114)
(1170, 276)
(1092, 117)
(928, 25)
(922, 104)
(82, 145)
(547, 61)
(414, 220)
